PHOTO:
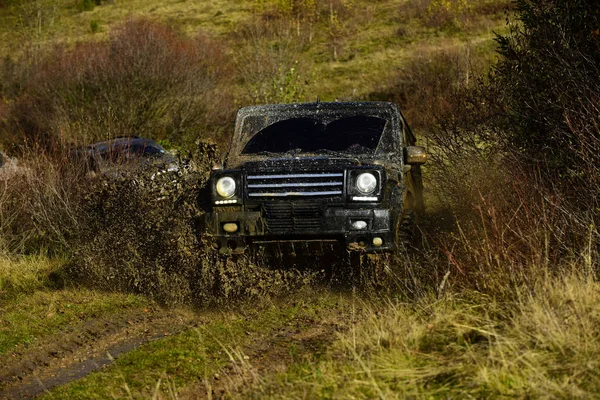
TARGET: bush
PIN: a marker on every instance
(94, 26)
(146, 80)
(430, 88)
(549, 88)
(39, 204)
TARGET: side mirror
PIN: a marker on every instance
(415, 155)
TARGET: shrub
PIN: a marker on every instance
(94, 26)
(146, 80)
(39, 204)
(87, 5)
(549, 86)
(431, 87)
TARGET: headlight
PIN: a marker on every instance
(225, 187)
(366, 183)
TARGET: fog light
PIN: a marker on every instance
(377, 241)
(359, 225)
(230, 227)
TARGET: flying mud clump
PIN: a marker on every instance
(137, 233)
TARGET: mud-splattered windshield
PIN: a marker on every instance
(356, 134)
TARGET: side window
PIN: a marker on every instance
(115, 153)
(136, 150)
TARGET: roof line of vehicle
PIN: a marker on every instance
(324, 105)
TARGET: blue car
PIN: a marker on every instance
(124, 155)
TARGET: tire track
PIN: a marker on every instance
(89, 347)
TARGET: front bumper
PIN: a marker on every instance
(253, 227)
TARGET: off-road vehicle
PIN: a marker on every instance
(344, 172)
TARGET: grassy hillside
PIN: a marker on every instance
(281, 51)
(497, 297)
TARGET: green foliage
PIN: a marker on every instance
(87, 5)
(94, 26)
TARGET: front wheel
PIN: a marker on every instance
(405, 229)
(366, 272)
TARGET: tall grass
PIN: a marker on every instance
(25, 275)
(542, 345)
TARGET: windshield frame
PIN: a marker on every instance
(355, 135)
(389, 146)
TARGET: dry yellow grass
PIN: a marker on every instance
(20, 275)
(544, 345)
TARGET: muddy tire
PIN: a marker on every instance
(406, 229)
(365, 272)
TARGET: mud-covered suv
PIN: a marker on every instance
(345, 172)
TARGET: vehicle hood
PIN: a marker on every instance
(296, 164)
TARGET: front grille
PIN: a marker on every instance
(277, 185)
(287, 217)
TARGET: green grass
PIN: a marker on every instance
(21, 275)
(29, 318)
(32, 308)
(193, 356)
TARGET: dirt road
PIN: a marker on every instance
(83, 349)
(236, 349)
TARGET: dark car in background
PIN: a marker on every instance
(343, 172)
(126, 155)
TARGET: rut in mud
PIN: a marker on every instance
(84, 349)
(248, 356)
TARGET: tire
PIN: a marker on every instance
(370, 273)
(405, 229)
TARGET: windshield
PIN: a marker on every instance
(356, 134)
